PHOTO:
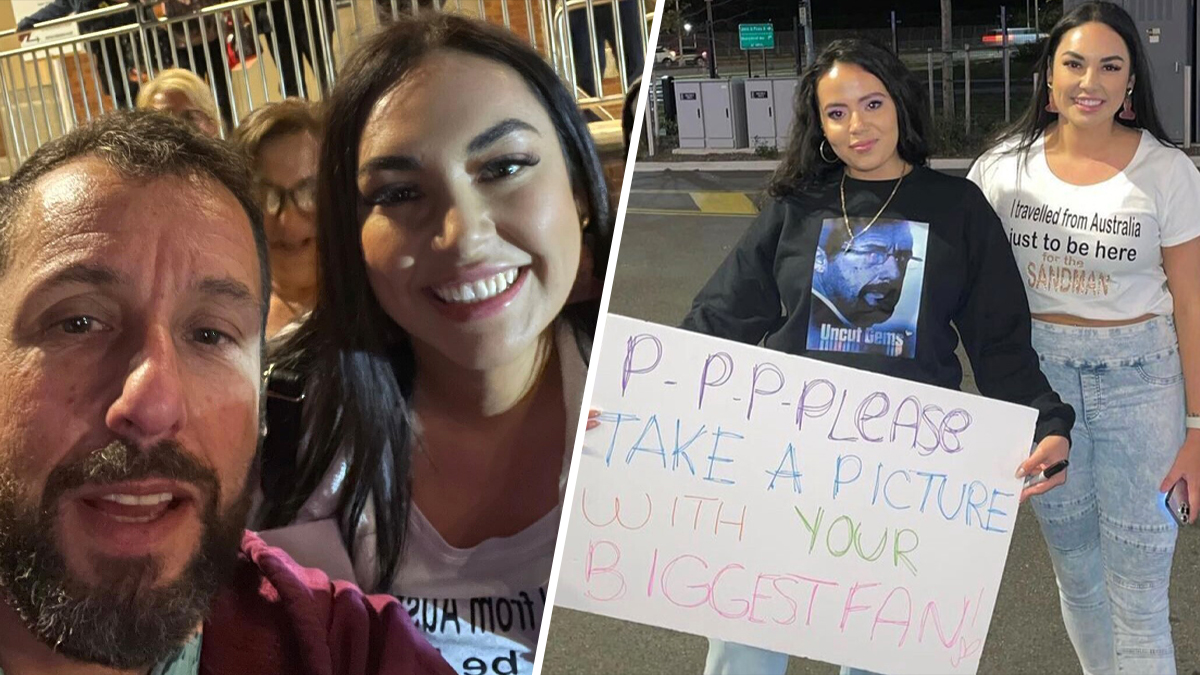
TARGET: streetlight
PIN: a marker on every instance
(687, 30)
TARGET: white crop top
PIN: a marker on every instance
(1094, 251)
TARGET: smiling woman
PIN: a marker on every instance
(1115, 323)
(835, 266)
(444, 361)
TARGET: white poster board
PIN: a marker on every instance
(745, 494)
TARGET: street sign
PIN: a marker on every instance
(756, 36)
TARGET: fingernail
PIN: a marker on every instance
(1020, 472)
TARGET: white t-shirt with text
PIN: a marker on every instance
(1094, 251)
(481, 607)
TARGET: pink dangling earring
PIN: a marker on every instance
(1127, 112)
(1050, 107)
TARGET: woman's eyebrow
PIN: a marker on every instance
(498, 131)
(389, 163)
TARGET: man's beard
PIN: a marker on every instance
(124, 620)
(865, 313)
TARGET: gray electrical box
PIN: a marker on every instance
(1166, 28)
(769, 111)
(711, 113)
(760, 113)
(785, 109)
(724, 113)
(690, 114)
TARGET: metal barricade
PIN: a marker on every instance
(251, 52)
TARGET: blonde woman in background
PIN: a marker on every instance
(281, 142)
(183, 94)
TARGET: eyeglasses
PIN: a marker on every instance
(877, 255)
(303, 195)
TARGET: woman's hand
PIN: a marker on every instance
(593, 419)
(1187, 467)
(1051, 451)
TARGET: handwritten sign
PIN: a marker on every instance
(786, 503)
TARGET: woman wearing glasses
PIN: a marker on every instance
(867, 258)
(280, 142)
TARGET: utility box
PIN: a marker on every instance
(760, 113)
(690, 113)
(769, 111)
(711, 113)
(724, 103)
(1167, 29)
(785, 109)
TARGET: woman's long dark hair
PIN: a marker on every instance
(1033, 122)
(802, 165)
(358, 362)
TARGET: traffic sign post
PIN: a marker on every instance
(760, 36)
(756, 36)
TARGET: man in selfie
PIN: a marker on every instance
(133, 294)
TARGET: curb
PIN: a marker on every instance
(940, 164)
(766, 165)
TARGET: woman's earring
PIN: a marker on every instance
(584, 221)
(821, 150)
(1127, 112)
(1050, 107)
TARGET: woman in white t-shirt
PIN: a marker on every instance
(442, 367)
(1103, 215)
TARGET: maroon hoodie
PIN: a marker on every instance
(274, 617)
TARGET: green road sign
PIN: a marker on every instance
(756, 35)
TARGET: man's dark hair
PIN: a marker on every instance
(140, 144)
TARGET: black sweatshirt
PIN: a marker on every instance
(763, 292)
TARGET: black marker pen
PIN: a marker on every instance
(1050, 472)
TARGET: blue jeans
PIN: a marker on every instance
(731, 658)
(1110, 537)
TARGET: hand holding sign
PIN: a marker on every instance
(790, 504)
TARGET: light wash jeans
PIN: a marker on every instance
(731, 658)
(1110, 536)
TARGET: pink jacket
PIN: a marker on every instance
(274, 617)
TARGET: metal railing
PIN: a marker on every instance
(251, 52)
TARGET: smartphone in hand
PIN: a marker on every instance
(1177, 503)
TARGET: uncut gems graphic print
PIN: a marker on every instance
(866, 289)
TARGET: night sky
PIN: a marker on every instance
(850, 13)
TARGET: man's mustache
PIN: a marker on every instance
(890, 295)
(121, 462)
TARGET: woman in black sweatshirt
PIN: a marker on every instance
(867, 258)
